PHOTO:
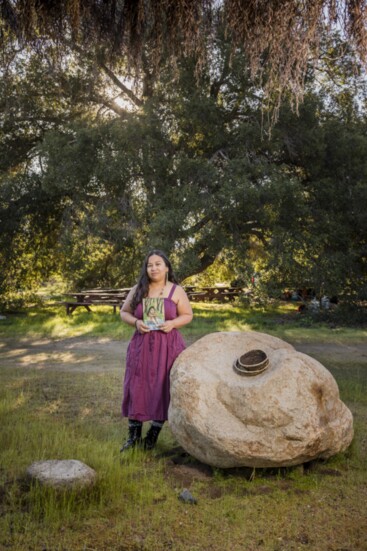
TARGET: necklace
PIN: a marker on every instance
(160, 294)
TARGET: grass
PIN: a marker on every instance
(134, 504)
(67, 410)
(280, 320)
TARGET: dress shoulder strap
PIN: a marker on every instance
(172, 291)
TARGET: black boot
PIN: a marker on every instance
(151, 437)
(134, 435)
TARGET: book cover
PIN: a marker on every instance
(153, 312)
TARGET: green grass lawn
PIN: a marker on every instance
(62, 412)
(281, 320)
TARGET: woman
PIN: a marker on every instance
(151, 354)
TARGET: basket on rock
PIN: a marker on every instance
(251, 363)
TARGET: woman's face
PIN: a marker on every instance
(156, 268)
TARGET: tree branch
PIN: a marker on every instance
(129, 93)
(196, 227)
(216, 84)
(109, 105)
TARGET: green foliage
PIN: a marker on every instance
(346, 314)
(324, 244)
(87, 193)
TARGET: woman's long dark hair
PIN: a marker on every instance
(142, 287)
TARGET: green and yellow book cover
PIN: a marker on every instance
(153, 312)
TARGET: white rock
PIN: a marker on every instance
(287, 415)
(62, 473)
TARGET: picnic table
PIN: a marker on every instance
(222, 294)
(116, 297)
(216, 293)
(88, 297)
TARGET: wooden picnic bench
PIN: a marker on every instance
(220, 294)
(98, 297)
(116, 297)
(196, 296)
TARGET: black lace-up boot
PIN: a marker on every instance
(134, 435)
(151, 437)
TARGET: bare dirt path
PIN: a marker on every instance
(339, 351)
(70, 354)
(103, 354)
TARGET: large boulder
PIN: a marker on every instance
(288, 414)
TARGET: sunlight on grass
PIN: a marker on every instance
(56, 324)
(280, 319)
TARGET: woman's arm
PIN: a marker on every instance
(125, 312)
(184, 311)
(128, 317)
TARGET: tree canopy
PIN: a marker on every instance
(88, 184)
(278, 38)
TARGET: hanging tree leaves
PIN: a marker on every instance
(88, 191)
(278, 37)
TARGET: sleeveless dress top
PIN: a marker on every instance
(148, 363)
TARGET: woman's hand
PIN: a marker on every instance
(167, 326)
(141, 327)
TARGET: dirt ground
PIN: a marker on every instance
(80, 354)
(102, 354)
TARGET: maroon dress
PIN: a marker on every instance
(149, 359)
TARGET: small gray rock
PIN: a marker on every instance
(62, 473)
(186, 497)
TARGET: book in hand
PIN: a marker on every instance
(153, 312)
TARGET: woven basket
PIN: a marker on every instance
(251, 363)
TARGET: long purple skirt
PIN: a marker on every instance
(148, 363)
